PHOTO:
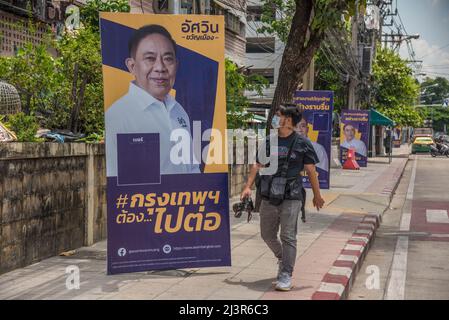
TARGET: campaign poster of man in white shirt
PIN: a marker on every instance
(303, 129)
(351, 142)
(148, 107)
(164, 97)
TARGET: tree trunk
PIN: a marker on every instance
(300, 48)
(74, 96)
(28, 105)
(77, 107)
(298, 54)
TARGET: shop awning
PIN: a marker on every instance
(378, 119)
(259, 118)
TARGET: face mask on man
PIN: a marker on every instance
(276, 122)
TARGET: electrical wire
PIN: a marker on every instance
(440, 48)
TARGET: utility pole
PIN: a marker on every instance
(396, 39)
(353, 82)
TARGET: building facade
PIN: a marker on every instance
(15, 15)
(263, 54)
(234, 12)
(46, 14)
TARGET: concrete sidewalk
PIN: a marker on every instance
(331, 247)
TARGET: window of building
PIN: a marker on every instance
(232, 21)
(254, 13)
(267, 73)
(187, 7)
(260, 45)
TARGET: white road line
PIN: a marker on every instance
(405, 221)
(439, 235)
(396, 285)
(437, 216)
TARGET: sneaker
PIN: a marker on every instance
(284, 283)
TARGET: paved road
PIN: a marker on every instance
(409, 258)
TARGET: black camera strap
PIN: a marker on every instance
(284, 168)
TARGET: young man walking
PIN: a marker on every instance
(284, 215)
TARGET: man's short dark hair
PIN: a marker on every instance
(145, 31)
(348, 124)
(291, 111)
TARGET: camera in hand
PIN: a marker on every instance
(244, 206)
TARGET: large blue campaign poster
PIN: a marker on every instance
(316, 125)
(164, 93)
(354, 134)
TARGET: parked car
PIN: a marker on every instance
(422, 144)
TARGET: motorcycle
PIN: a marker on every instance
(439, 149)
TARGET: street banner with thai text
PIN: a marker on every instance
(354, 134)
(164, 96)
(316, 125)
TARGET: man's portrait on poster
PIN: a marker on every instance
(149, 105)
(350, 140)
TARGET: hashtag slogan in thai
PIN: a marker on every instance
(158, 210)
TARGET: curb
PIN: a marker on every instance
(397, 176)
(337, 282)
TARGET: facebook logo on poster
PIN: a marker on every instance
(138, 158)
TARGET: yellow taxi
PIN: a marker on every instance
(422, 144)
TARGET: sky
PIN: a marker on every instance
(429, 19)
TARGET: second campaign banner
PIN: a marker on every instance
(164, 95)
(316, 125)
(354, 134)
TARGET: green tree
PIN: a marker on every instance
(89, 13)
(24, 126)
(80, 62)
(302, 26)
(65, 91)
(434, 91)
(395, 88)
(439, 116)
(34, 73)
(236, 102)
(80, 55)
(327, 78)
